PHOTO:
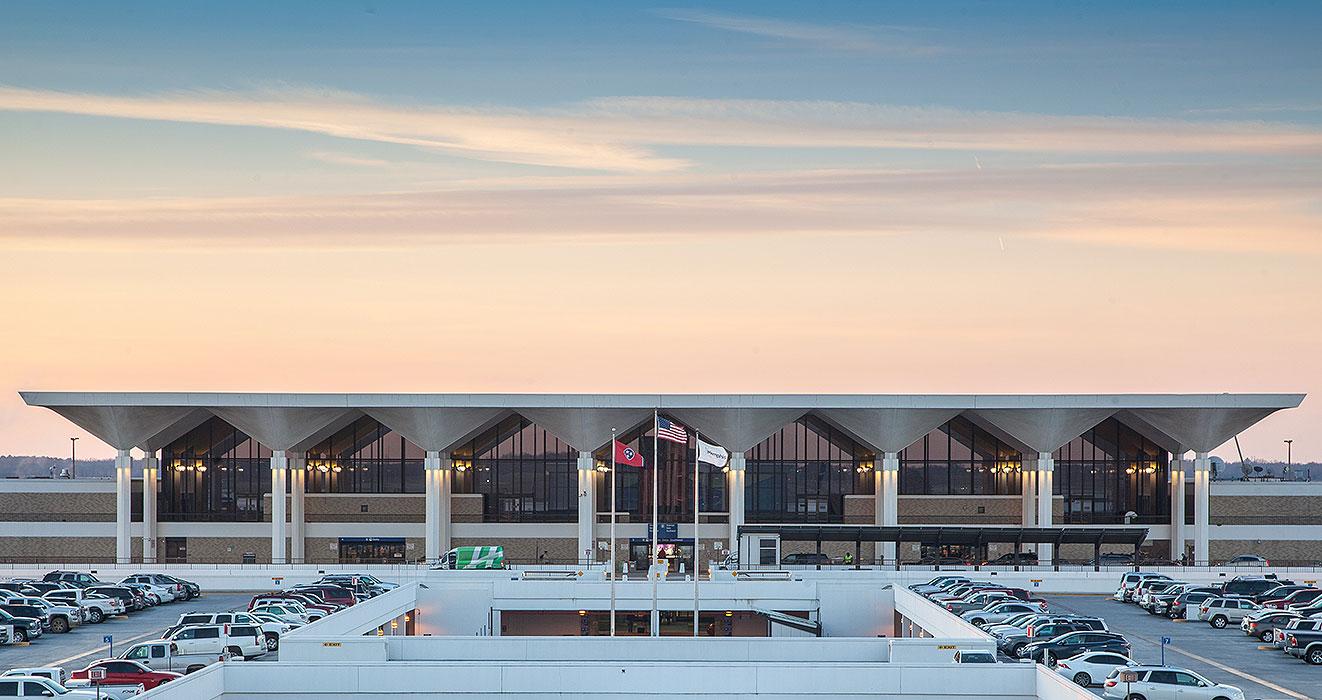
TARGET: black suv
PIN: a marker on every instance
(1069, 644)
(1247, 586)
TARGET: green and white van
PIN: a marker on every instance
(473, 558)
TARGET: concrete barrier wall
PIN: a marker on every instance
(636, 678)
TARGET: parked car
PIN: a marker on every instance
(55, 673)
(1162, 602)
(970, 656)
(1305, 644)
(1131, 580)
(1014, 644)
(1277, 592)
(25, 628)
(1218, 612)
(1263, 624)
(1247, 560)
(177, 588)
(1073, 643)
(39, 687)
(331, 593)
(1012, 559)
(1185, 605)
(164, 655)
(939, 583)
(286, 613)
(1251, 585)
(76, 577)
(364, 585)
(123, 594)
(1001, 611)
(246, 641)
(1092, 667)
(121, 672)
(977, 601)
(1303, 624)
(272, 630)
(96, 607)
(1157, 682)
(1143, 595)
(23, 611)
(1300, 598)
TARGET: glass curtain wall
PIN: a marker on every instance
(960, 459)
(524, 473)
(803, 472)
(215, 472)
(365, 457)
(674, 486)
(1112, 470)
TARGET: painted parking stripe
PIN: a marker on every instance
(1233, 671)
(130, 640)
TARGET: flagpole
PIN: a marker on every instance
(613, 531)
(696, 519)
(655, 621)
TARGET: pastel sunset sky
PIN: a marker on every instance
(596, 197)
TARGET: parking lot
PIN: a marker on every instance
(1224, 656)
(75, 649)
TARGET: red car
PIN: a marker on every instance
(1295, 599)
(120, 672)
(334, 595)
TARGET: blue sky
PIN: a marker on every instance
(1101, 193)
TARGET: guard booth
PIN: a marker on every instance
(759, 550)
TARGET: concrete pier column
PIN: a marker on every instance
(1028, 492)
(297, 484)
(1045, 471)
(735, 481)
(888, 500)
(444, 491)
(431, 466)
(587, 507)
(1202, 488)
(1177, 505)
(279, 476)
(123, 506)
(151, 466)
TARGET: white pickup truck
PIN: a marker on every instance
(97, 607)
(49, 682)
(164, 655)
(238, 641)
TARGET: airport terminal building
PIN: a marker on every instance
(398, 478)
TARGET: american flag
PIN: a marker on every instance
(672, 431)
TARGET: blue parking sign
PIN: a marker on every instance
(1165, 640)
(108, 639)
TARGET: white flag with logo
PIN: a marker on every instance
(712, 454)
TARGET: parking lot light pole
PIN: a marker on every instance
(1288, 462)
(73, 458)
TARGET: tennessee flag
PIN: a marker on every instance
(627, 456)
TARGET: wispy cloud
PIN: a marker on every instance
(623, 134)
(897, 40)
(337, 158)
(1245, 208)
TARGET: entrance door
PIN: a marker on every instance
(371, 550)
(673, 552)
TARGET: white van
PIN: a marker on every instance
(245, 641)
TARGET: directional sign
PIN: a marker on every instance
(96, 674)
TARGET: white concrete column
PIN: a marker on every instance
(1177, 505)
(1028, 491)
(735, 481)
(587, 506)
(1202, 488)
(279, 474)
(431, 464)
(444, 494)
(123, 506)
(888, 500)
(1045, 471)
(151, 466)
(297, 483)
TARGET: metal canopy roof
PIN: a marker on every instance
(663, 401)
(951, 535)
